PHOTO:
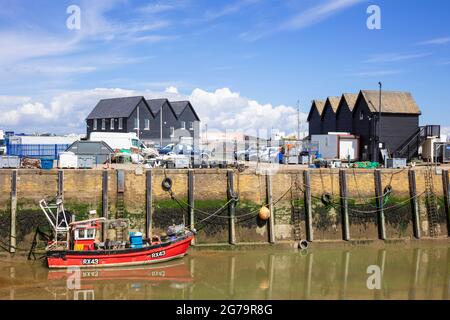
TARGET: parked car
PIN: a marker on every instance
(269, 155)
(185, 149)
(249, 154)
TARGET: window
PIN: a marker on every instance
(103, 124)
(90, 233)
(112, 124)
(172, 132)
(136, 125)
(135, 143)
(361, 115)
(147, 124)
(81, 234)
(191, 125)
(183, 125)
(120, 123)
(95, 124)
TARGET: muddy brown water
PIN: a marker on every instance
(264, 273)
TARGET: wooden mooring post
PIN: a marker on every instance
(414, 203)
(308, 205)
(61, 183)
(231, 207)
(269, 192)
(13, 231)
(380, 206)
(344, 205)
(446, 186)
(148, 204)
(191, 200)
(104, 202)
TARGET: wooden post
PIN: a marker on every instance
(380, 206)
(231, 207)
(191, 200)
(446, 185)
(344, 205)
(148, 204)
(414, 203)
(104, 202)
(308, 206)
(13, 233)
(270, 203)
(61, 183)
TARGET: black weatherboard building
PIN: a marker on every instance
(397, 130)
(315, 117)
(329, 115)
(399, 121)
(344, 113)
(135, 114)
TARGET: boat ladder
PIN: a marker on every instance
(431, 204)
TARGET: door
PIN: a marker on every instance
(347, 148)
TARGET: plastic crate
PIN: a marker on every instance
(47, 164)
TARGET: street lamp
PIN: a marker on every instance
(379, 118)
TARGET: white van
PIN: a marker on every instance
(127, 141)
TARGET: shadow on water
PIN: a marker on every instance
(320, 273)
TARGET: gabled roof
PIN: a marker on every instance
(350, 99)
(115, 107)
(333, 103)
(391, 101)
(156, 104)
(316, 105)
(180, 106)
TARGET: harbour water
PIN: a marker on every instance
(396, 272)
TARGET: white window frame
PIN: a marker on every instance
(112, 125)
(94, 126)
(172, 132)
(191, 125)
(183, 125)
(103, 124)
(361, 115)
(147, 124)
(120, 123)
(136, 124)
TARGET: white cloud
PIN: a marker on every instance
(436, 41)
(303, 19)
(395, 57)
(221, 109)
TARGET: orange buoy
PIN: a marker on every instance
(264, 213)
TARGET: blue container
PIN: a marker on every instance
(46, 164)
(136, 239)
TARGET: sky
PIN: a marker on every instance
(244, 64)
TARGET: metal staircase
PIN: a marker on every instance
(431, 204)
(410, 148)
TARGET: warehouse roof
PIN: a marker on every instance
(350, 98)
(391, 101)
(115, 107)
(317, 105)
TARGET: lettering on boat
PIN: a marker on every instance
(158, 254)
(90, 261)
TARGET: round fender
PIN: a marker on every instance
(166, 184)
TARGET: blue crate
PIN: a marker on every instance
(46, 164)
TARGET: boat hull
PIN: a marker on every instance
(117, 258)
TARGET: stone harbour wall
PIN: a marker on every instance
(362, 216)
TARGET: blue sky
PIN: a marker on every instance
(244, 63)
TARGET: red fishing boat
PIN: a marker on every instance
(76, 244)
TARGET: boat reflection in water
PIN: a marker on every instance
(118, 283)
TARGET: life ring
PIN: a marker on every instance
(327, 199)
(303, 244)
(166, 184)
(388, 190)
